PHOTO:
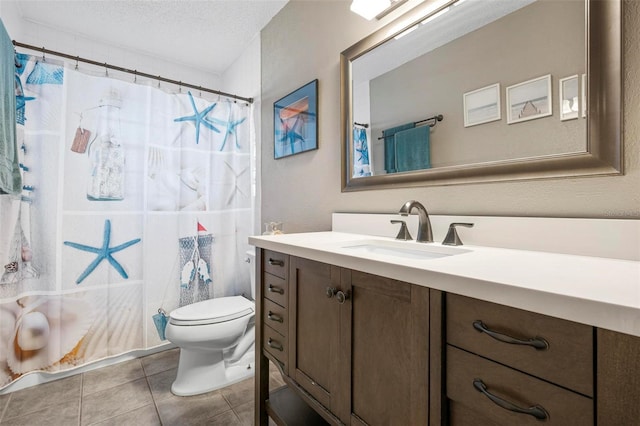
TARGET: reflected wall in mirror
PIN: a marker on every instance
(452, 59)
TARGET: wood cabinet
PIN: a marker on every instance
(360, 349)
(385, 338)
(516, 367)
(358, 344)
(274, 307)
(618, 379)
(315, 333)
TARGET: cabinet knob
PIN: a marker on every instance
(342, 296)
(331, 291)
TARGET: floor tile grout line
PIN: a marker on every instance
(153, 398)
(117, 384)
(126, 412)
(81, 396)
(224, 412)
(6, 407)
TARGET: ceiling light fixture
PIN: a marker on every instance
(378, 9)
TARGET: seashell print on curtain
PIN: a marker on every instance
(117, 177)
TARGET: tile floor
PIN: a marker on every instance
(135, 392)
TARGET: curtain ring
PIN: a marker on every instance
(200, 91)
(158, 82)
(77, 59)
(179, 87)
(135, 76)
(106, 70)
(43, 58)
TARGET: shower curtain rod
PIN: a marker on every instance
(129, 71)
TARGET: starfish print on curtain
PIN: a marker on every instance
(199, 117)
(231, 126)
(21, 101)
(104, 252)
(236, 187)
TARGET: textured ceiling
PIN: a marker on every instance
(204, 34)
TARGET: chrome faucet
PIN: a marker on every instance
(425, 235)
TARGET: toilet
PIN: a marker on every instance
(216, 338)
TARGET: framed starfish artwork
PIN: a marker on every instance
(295, 121)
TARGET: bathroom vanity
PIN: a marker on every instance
(461, 338)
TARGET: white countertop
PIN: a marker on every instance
(602, 292)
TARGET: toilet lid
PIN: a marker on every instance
(212, 311)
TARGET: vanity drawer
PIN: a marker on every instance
(275, 289)
(276, 263)
(275, 316)
(275, 343)
(467, 372)
(565, 359)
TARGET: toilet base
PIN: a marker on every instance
(205, 371)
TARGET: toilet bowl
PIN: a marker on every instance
(216, 339)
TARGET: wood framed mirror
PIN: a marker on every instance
(478, 69)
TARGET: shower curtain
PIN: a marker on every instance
(133, 200)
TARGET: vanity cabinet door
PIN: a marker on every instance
(385, 336)
(618, 380)
(314, 330)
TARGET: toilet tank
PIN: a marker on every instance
(251, 263)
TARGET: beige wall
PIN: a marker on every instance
(303, 42)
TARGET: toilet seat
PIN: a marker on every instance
(212, 311)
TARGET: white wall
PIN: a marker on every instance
(243, 78)
(303, 42)
(78, 45)
(11, 19)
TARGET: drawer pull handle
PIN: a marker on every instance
(274, 317)
(273, 289)
(275, 345)
(536, 342)
(536, 411)
(276, 262)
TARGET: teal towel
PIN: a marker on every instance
(10, 179)
(412, 149)
(390, 146)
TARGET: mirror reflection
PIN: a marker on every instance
(476, 82)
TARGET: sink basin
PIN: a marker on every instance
(402, 249)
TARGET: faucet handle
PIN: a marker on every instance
(403, 234)
(452, 238)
